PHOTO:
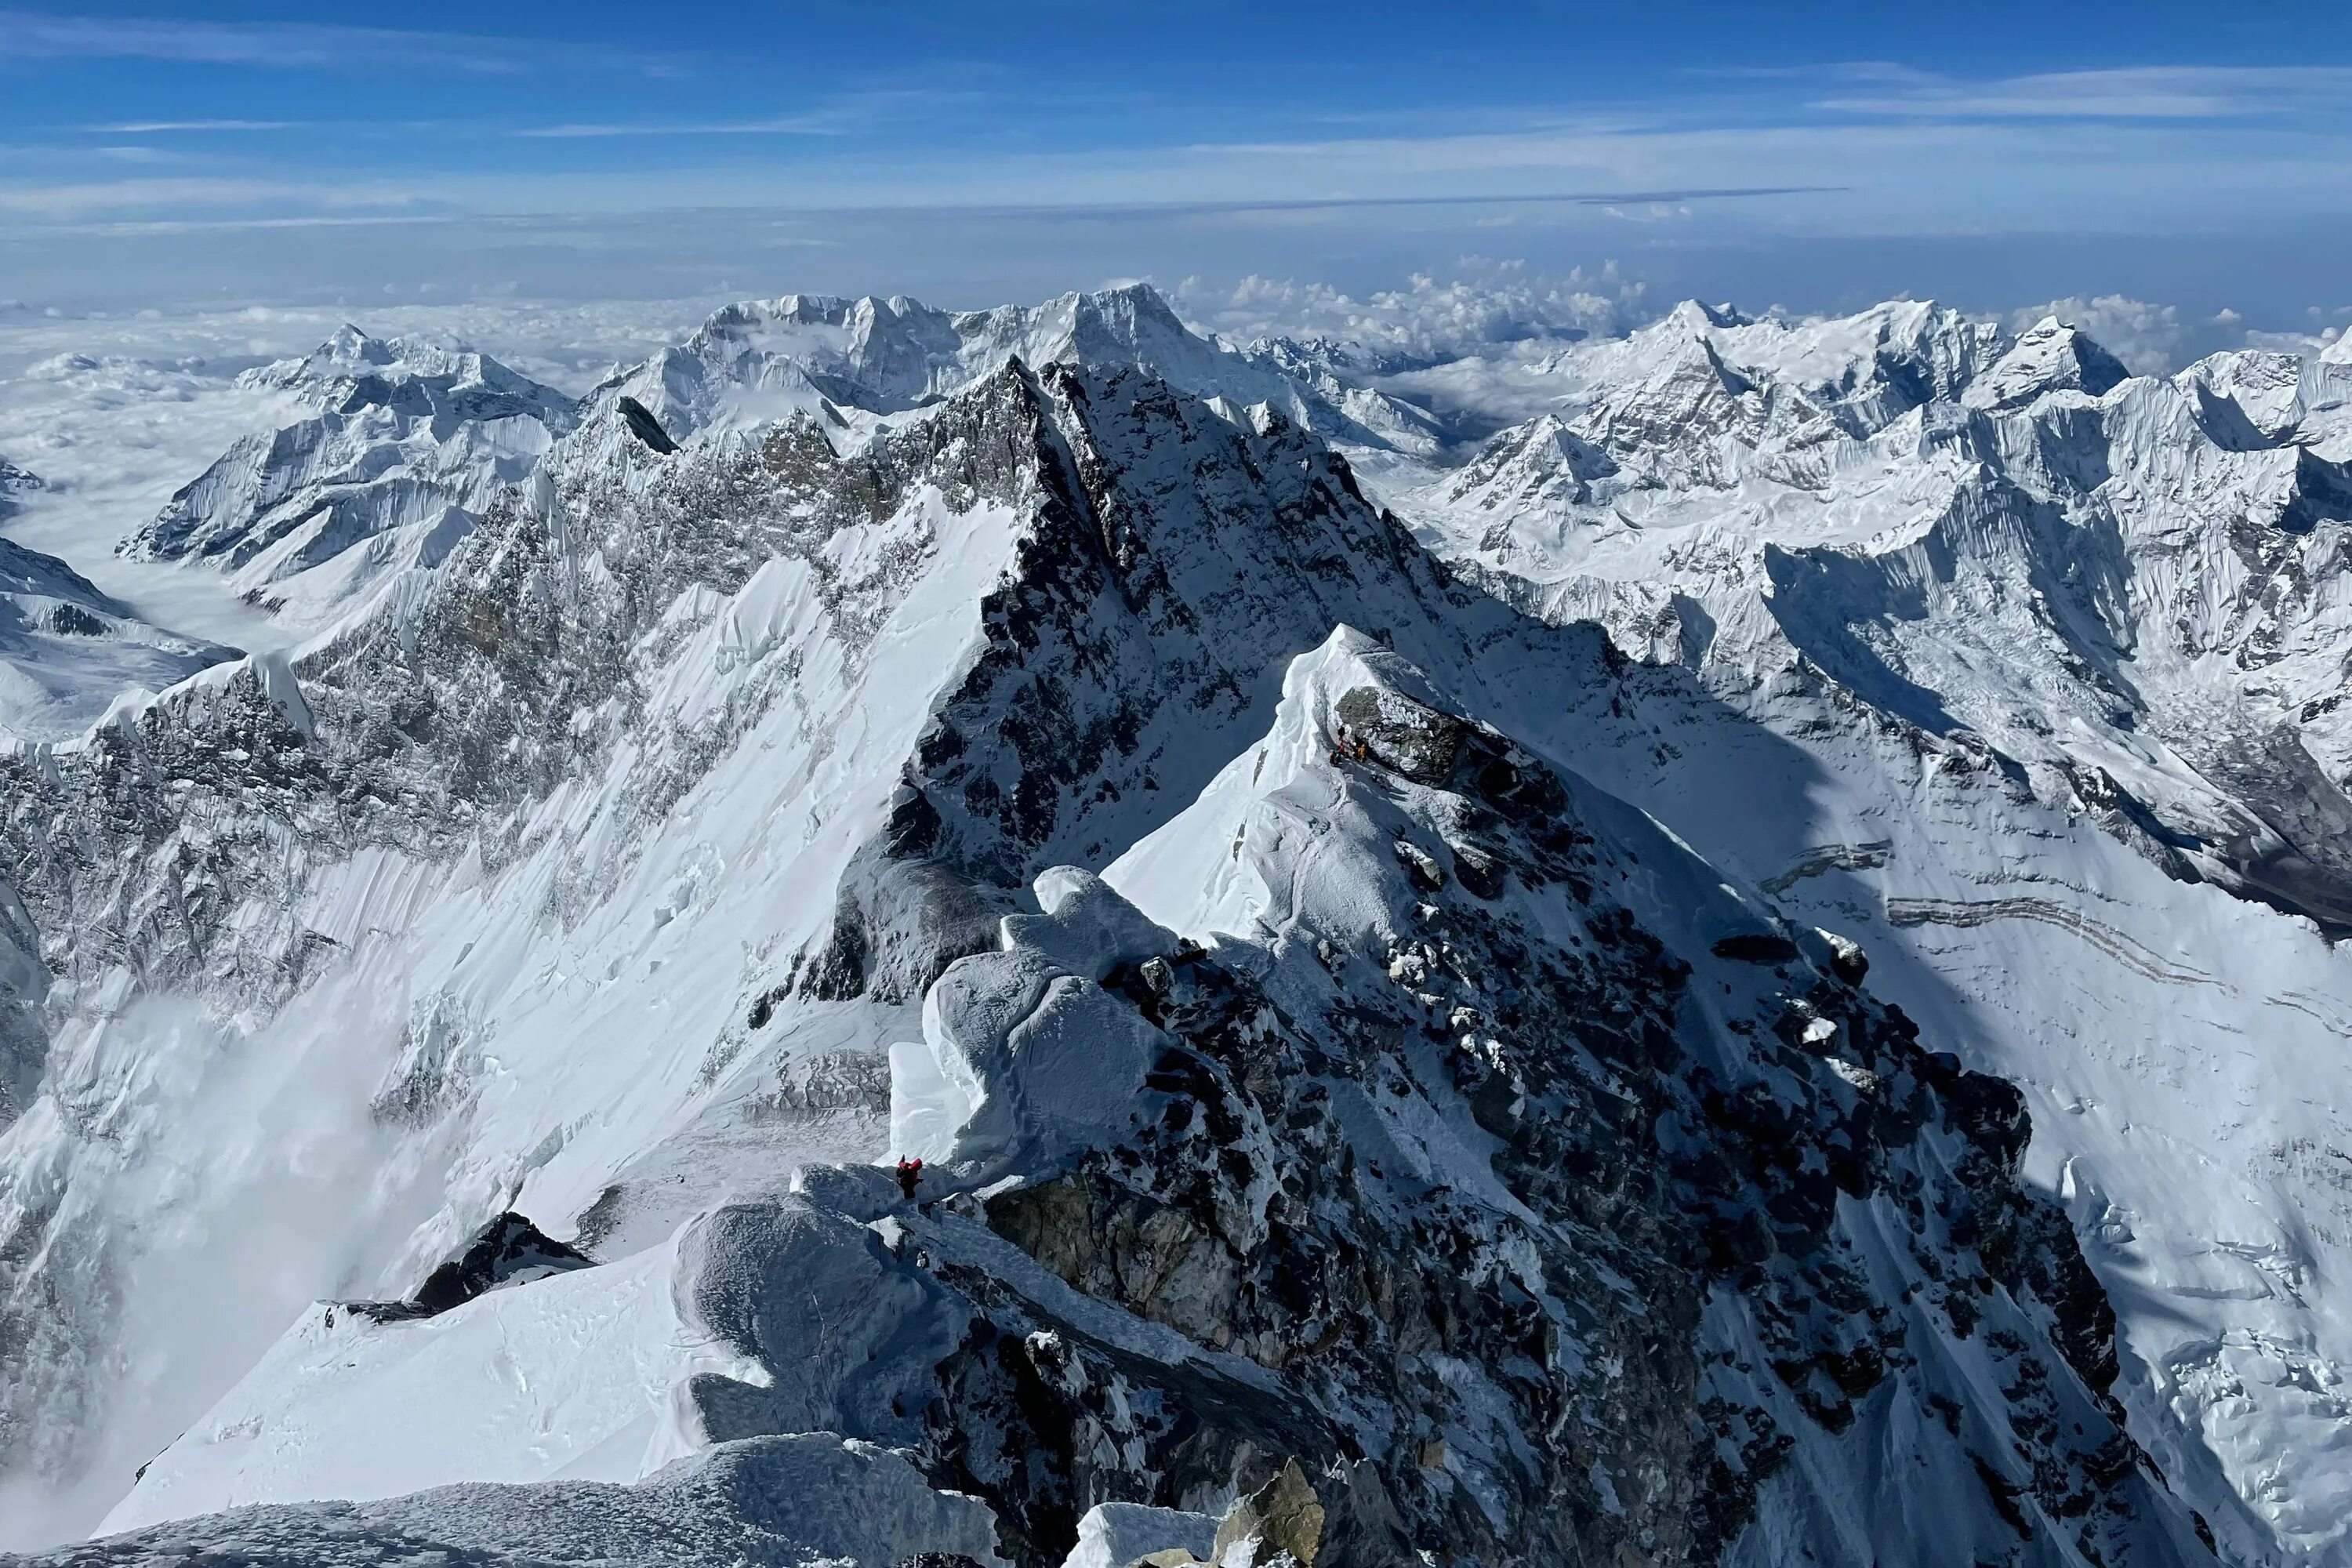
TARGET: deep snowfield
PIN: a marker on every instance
(650, 842)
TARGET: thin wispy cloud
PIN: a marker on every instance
(840, 114)
(158, 127)
(790, 125)
(1887, 176)
(66, 201)
(28, 35)
(2153, 92)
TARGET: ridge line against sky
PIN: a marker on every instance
(1236, 130)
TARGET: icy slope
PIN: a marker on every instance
(1550, 1255)
(794, 1502)
(644, 621)
(727, 694)
(582, 788)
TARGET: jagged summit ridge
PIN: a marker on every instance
(320, 519)
(757, 361)
(2050, 356)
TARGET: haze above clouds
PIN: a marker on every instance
(229, 153)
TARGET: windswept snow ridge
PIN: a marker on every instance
(1399, 1070)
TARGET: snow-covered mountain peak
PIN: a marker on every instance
(2050, 356)
(2263, 389)
(15, 483)
(1541, 463)
(409, 442)
(849, 362)
(352, 370)
(1130, 323)
(1666, 398)
(1697, 316)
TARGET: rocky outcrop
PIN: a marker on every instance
(1280, 1519)
(507, 1251)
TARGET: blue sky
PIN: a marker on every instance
(1814, 155)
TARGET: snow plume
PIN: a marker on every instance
(2149, 339)
(236, 1235)
(1480, 304)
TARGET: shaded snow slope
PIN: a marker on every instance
(2039, 672)
(2144, 1018)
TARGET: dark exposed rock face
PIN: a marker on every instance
(1755, 947)
(509, 1251)
(1282, 1516)
(23, 1035)
(643, 425)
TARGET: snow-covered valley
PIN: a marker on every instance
(1707, 945)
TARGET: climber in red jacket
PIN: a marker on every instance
(910, 1173)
